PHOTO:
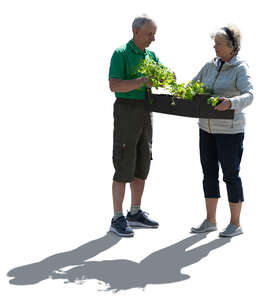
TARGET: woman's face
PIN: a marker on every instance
(222, 50)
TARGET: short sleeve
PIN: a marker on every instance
(117, 66)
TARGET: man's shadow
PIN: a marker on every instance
(36, 272)
(160, 267)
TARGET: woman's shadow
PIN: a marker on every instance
(160, 267)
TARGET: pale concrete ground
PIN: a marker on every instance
(56, 167)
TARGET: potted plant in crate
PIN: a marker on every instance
(190, 100)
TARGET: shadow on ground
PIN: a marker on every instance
(160, 267)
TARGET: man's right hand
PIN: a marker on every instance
(123, 86)
(146, 81)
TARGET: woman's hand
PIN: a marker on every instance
(224, 105)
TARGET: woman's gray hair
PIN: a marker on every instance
(140, 21)
(235, 33)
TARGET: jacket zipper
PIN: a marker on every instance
(209, 120)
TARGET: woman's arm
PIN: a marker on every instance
(244, 84)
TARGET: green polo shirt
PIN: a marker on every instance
(124, 64)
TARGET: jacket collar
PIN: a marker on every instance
(234, 61)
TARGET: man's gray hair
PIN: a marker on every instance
(140, 21)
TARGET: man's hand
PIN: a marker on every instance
(146, 81)
(224, 105)
(124, 86)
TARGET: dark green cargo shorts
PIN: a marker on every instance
(132, 140)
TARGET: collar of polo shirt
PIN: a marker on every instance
(135, 48)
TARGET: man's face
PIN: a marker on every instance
(145, 35)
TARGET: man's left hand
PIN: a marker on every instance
(224, 105)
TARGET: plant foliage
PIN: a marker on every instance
(161, 76)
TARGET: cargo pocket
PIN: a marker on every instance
(118, 153)
(150, 151)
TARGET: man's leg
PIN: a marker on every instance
(119, 224)
(136, 217)
(118, 190)
(137, 188)
(144, 154)
(127, 124)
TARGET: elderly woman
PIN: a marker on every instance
(221, 141)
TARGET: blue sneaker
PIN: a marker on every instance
(120, 227)
(140, 219)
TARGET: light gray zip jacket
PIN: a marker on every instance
(233, 82)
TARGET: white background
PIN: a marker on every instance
(56, 143)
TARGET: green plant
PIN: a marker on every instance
(158, 74)
(161, 76)
(213, 101)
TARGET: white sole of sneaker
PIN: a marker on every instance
(230, 235)
(137, 224)
(194, 230)
(121, 234)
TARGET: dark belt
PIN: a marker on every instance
(131, 101)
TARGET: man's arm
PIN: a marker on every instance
(123, 86)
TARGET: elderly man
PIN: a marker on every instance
(132, 138)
